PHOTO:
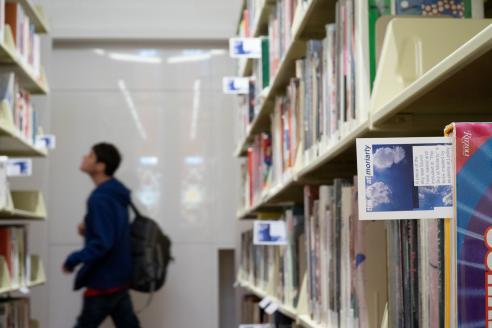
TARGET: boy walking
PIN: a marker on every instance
(106, 256)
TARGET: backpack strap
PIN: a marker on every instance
(134, 208)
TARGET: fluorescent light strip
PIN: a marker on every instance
(133, 110)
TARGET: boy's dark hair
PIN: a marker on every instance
(108, 154)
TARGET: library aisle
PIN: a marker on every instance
(294, 163)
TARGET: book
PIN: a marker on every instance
(8, 88)
(450, 8)
(15, 312)
(27, 42)
(368, 263)
(468, 237)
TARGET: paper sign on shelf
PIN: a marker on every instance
(265, 302)
(24, 290)
(272, 308)
(245, 47)
(270, 233)
(19, 167)
(235, 85)
(405, 178)
(47, 141)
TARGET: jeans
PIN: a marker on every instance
(118, 306)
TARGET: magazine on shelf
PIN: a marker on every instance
(245, 47)
(405, 178)
(468, 246)
(270, 233)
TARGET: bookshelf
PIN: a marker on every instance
(297, 314)
(36, 14)
(24, 205)
(308, 22)
(405, 111)
(260, 27)
(11, 60)
(22, 76)
(12, 142)
(37, 277)
(449, 83)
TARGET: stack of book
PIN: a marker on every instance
(27, 42)
(337, 73)
(280, 31)
(254, 9)
(14, 250)
(347, 285)
(18, 100)
(244, 28)
(277, 269)
(246, 111)
(416, 273)
(15, 313)
(259, 165)
(286, 126)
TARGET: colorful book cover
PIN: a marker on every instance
(471, 233)
(452, 8)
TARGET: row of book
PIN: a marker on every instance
(250, 17)
(357, 271)
(280, 31)
(337, 73)
(14, 250)
(256, 171)
(276, 269)
(246, 112)
(330, 93)
(15, 313)
(18, 101)
(252, 314)
(27, 41)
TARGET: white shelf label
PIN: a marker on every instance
(245, 47)
(46, 141)
(232, 85)
(19, 167)
(272, 308)
(265, 302)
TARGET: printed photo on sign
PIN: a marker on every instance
(270, 233)
(19, 167)
(405, 178)
(245, 47)
(235, 85)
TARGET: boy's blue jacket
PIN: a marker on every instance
(106, 256)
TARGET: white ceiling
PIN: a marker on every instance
(142, 19)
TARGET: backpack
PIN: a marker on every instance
(151, 253)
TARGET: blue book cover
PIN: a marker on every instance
(450, 8)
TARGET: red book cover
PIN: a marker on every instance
(5, 249)
(250, 176)
(11, 16)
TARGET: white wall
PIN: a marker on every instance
(172, 113)
(144, 19)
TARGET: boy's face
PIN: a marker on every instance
(90, 165)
